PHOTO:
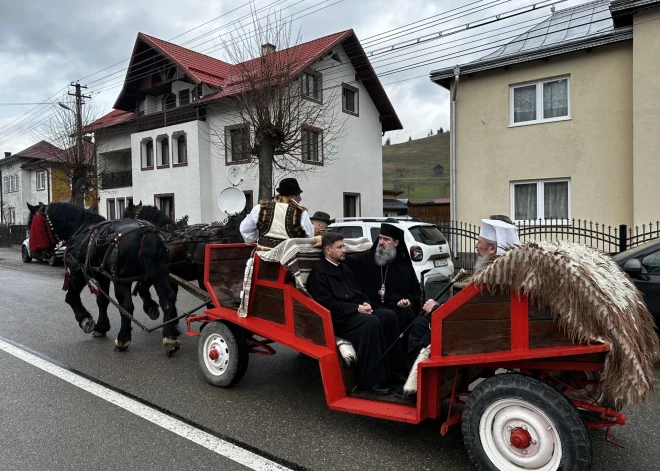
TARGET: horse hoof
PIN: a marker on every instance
(121, 346)
(87, 325)
(171, 346)
(153, 313)
(98, 334)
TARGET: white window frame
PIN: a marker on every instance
(40, 180)
(539, 101)
(540, 216)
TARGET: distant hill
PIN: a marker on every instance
(417, 159)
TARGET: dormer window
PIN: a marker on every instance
(169, 101)
(312, 88)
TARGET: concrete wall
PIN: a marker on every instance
(646, 119)
(593, 149)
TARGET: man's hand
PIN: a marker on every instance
(430, 305)
(365, 308)
(317, 241)
(404, 303)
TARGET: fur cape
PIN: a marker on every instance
(592, 300)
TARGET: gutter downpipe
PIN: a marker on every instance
(454, 237)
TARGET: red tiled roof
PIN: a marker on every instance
(114, 118)
(42, 150)
(439, 200)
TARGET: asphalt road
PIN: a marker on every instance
(278, 410)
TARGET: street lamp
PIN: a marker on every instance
(65, 107)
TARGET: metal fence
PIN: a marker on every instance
(610, 239)
(12, 235)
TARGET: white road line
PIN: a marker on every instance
(215, 444)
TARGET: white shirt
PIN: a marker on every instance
(250, 232)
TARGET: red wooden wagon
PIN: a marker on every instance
(524, 393)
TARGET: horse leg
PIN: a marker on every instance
(72, 298)
(167, 298)
(103, 323)
(123, 295)
(149, 305)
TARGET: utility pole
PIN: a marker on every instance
(79, 141)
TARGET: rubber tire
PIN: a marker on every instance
(53, 261)
(239, 354)
(24, 255)
(573, 433)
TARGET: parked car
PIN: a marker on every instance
(429, 250)
(642, 264)
(53, 257)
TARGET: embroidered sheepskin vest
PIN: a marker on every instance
(279, 220)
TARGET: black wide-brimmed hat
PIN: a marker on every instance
(321, 216)
(289, 187)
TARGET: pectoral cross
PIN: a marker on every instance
(381, 293)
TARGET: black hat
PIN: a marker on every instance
(388, 230)
(289, 187)
(321, 216)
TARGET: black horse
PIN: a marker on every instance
(100, 251)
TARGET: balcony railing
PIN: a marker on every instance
(110, 180)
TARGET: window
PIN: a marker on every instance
(237, 143)
(312, 145)
(375, 232)
(651, 263)
(163, 151)
(311, 86)
(184, 97)
(111, 209)
(5, 185)
(41, 180)
(121, 207)
(129, 201)
(147, 150)
(169, 101)
(542, 101)
(349, 99)
(351, 205)
(349, 232)
(165, 203)
(542, 199)
(13, 184)
(179, 149)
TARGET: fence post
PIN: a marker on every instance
(623, 238)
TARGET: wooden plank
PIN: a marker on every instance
(268, 304)
(534, 313)
(227, 266)
(308, 325)
(589, 357)
(233, 253)
(227, 289)
(486, 298)
(546, 333)
(467, 337)
(474, 312)
(269, 271)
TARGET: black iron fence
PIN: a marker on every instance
(12, 235)
(110, 180)
(610, 239)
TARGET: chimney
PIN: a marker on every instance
(7, 154)
(267, 48)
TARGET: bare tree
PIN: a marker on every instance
(398, 184)
(400, 170)
(60, 130)
(293, 121)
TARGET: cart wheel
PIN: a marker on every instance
(517, 423)
(223, 354)
(25, 255)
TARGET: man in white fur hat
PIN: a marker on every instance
(496, 234)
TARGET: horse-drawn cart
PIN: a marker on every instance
(525, 392)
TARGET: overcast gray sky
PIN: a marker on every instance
(46, 44)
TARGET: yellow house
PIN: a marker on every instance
(563, 122)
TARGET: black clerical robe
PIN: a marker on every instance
(335, 288)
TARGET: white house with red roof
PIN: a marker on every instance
(160, 145)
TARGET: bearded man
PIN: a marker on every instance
(271, 222)
(387, 275)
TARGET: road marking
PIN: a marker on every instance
(222, 447)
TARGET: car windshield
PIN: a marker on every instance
(632, 253)
(349, 232)
(428, 235)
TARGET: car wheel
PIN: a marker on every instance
(54, 261)
(25, 255)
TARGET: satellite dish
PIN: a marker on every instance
(231, 200)
(235, 175)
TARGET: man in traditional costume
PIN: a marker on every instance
(494, 237)
(388, 277)
(271, 222)
(321, 221)
(332, 284)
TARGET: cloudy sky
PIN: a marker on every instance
(46, 44)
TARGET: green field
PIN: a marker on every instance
(417, 159)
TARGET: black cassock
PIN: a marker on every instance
(400, 283)
(335, 288)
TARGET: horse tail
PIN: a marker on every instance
(153, 255)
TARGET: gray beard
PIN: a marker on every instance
(480, 263)
(384, 255)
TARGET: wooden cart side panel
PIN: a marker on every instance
(544, 331)
(224, 270)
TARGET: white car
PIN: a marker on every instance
(53, 257)
(429, 250)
